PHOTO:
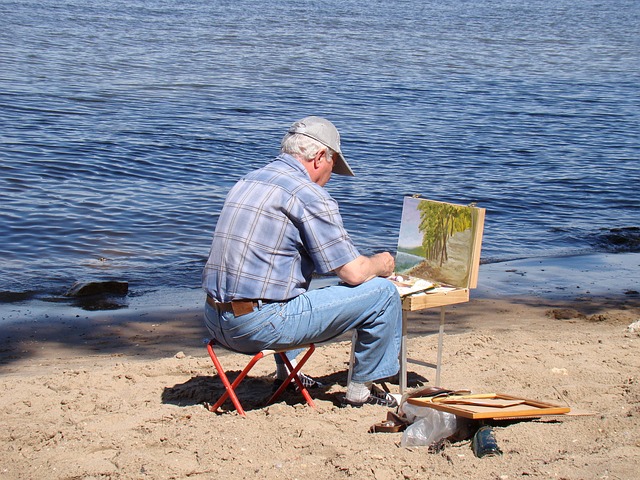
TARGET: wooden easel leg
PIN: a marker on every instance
(440, 338)
(352, 355)
(403, 355)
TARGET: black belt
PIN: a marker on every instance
(237, 307)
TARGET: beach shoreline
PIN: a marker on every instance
(120, 393)
(146, 325)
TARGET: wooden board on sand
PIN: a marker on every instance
(490, 405)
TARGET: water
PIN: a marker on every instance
(122, 125)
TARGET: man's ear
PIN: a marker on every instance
(318, 158)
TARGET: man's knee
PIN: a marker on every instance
(386, 293)
(387, 287)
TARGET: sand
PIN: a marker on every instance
(121, 394)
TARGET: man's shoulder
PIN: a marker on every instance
(287, 177)
(273, 170)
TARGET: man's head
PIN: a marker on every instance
(312, 139)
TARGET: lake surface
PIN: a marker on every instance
(124, 123)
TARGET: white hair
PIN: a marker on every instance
(299, 145)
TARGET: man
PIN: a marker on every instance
(277, 226)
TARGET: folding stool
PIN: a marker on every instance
(230, 388)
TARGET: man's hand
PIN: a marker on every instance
(387, 263)
(363, 268)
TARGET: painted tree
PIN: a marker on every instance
(439, 222)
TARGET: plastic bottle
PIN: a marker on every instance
(429, 426)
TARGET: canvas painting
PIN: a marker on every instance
(437, 241)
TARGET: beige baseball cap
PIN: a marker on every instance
(323, 131)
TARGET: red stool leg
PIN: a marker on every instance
(293, 376)
(230, 387)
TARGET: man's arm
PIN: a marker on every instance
(363, 268)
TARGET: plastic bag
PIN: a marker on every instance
(428, 425)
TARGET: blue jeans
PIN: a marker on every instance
(373, 309)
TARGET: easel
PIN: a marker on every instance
(438, 297)
(442, 299)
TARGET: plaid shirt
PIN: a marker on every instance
(276, 227)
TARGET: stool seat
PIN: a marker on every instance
(230, 388)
